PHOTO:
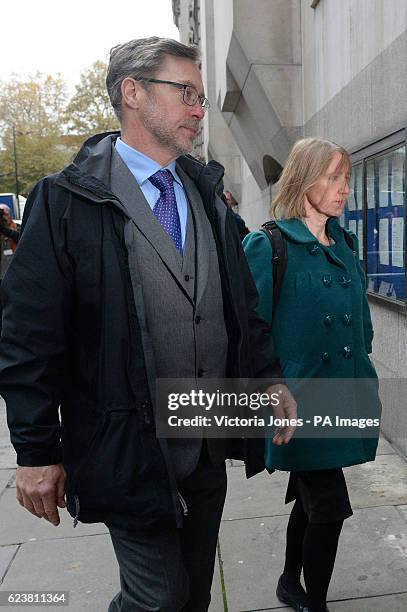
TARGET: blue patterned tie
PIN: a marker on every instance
(165, 208)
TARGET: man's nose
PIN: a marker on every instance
(197, 111)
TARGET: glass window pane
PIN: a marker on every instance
(385, 187)
(352, 218)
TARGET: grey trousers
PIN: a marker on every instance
(172, 569)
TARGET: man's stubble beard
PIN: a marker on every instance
(154, 121)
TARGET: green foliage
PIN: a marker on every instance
(89, 111)
(32, 126)
(43, 129)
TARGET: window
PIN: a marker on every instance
(376, 213)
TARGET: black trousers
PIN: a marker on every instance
(172, 569)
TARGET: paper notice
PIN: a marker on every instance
(384, 182)
(397, 242)
(370, 197)
(397, 173)
(360, 239)
(352, 226)
(358, 187)
(384, 242)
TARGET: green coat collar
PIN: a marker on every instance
(297, 231)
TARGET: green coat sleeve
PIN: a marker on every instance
(259, 253)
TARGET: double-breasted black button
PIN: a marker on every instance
(326, 357)
(347, 320)
(187, 277)
(344, 281)
(327, 280)
(328, 320)
(313, 249)
(198, 319)
(347, 352)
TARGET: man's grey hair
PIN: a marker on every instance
(142, 57)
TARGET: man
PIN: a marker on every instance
(230, 201)
(129, 269)
(8, 229)
(9, 236)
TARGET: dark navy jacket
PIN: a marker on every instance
(71, 342)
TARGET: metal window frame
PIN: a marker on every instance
(365, 154)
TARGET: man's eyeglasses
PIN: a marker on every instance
(190, 96)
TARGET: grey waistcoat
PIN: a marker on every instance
(182, 296)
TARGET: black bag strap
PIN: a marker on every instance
(349, 241)
(279, 261)
(279, 247)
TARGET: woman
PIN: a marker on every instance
(322, 329)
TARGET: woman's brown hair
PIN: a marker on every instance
(308, 160)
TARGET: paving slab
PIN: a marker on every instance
(86, 567)
(6, 555)
(7, 453)
(372, 555)
(5, 478)
(382, 482)
(372, 558)
(235, 463)
(403, 511)
(216, 591)
(17, 525)
(252, 552)
(4, 432)
(262, 495)
(390, 603)
(384, 447)
(7, 457)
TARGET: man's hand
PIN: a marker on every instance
(41, 490)
(286, 409)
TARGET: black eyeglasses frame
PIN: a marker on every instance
(203, 101)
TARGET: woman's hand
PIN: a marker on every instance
(285, 409)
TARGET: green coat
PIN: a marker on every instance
(321, 329)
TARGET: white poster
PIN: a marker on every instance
(358, 186)
(397, 242)
(360, 238)
(384, 242)
(351, 200)
(397, 192)
(370, 185)
(384, 182)
(352, 226)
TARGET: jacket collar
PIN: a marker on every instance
(298, 232)
(90, 171)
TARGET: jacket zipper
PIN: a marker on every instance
(77, 510)
(183, 504)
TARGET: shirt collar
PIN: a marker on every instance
(140, 165)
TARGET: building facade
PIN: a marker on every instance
(279, 70)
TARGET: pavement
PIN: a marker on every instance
(370, 573)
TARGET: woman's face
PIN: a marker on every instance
(328, 195)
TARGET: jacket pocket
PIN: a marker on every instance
(124, 471)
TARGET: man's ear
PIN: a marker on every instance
(131, 92)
